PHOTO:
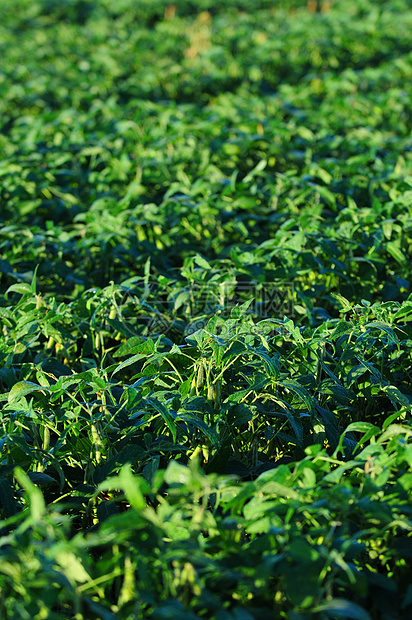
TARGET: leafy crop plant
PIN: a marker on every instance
(205, 310)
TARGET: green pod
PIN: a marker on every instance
(201, 375)
(214, 393)
(50, 343)
(46, 438)
(97, 341)
(97, 442)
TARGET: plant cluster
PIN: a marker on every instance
(206, 311)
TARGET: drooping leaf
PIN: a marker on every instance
(23, 388)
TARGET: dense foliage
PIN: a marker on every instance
(206, 309)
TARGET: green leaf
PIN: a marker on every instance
(129, 454)
(272, 365)
(258, 168)
(21, 287)
(147, 273)
(336, 475)
(369, 430)
(396, 253)
(239, 395)
(199, 260)
(22, 388)
(296, 424)
(345, 304)
(35, 496)
(130, 361)
(395, 430)
(198, 423)
(198, 337)
(72, 566)
(405, 310)
(165, 413)
(341, 394)
(394, 416)
(281, 490)
(130, 484)
(56, 368)
(41, 478)
(392, 338)
(239, 311)
(34, 280)
(396, 396)
(177, 474)
(342, 608)
(134, 344)
(300, 391)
